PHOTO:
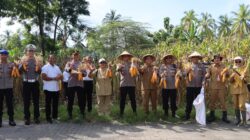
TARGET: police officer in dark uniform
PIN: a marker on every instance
(6, 87)
(30, 68)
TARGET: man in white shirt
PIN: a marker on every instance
(51, 75)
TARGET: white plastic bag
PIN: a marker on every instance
(199, 104)
(247, 110)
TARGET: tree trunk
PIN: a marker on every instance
(40, 15)
(56, 24)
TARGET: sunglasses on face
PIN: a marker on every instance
(30, 50)
(238, 61)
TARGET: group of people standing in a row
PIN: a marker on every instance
(78, 78)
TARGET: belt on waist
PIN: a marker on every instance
(30, 80)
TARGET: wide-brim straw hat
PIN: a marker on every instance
(238, 58)
(148, 55)
(195, 54)
(168, 55)
(125, 53)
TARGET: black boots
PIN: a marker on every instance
(11, 121)
(238, 118)
(211, 117)
(224, 117)
(243, 114)
(1, 122)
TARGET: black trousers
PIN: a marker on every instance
(65, 90)
(192, 93)
(51, 103)
(81, 99)
(88, 90)
(169, 94)
(8, 95)
(131, 93)
(31, 91)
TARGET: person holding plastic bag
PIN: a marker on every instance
(199, 104)
(195, 76)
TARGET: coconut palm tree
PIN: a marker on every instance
(241, 21)
(111, 17)
(188, 19)
(225, 25)
(206, 26)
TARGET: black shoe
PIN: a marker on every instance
(224, 117)
(166, 113)
(121, 115)
(211, 117)
(173, 114)
(37, 121)
(27, 122)
(135, 113)
(238, 117)
(70, 117)
(49, 121)
(12, 123)
(187, 117)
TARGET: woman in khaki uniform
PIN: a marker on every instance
(239, 89)
(149, 83)
(103, 87)
(217, 74)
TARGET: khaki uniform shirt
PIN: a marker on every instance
(199, 72)
(170, 71)
(146, 76)
(238, 86)
(216, 81)
(103, 83)
(31, 73)
(6, 81)
(126, 80)
(73, 79)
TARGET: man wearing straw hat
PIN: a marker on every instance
(30, 68)
(6, 86)
(239, 91)
(127, 82)
(149, 85)
(217, 73)
(168, 72)
(195, 77)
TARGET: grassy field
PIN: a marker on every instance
(128, 118)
